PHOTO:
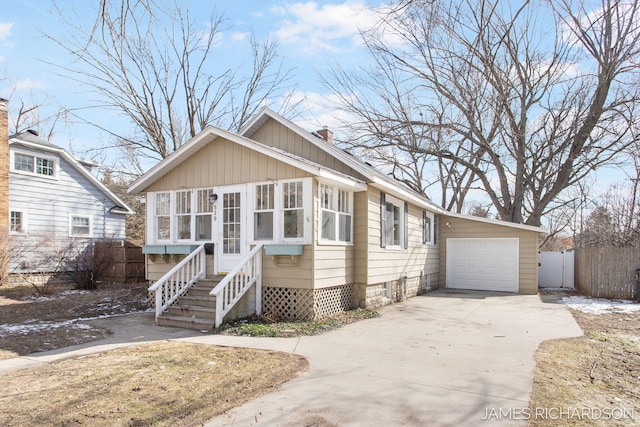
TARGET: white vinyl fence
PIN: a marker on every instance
(556, 269)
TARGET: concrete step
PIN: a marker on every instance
(194, 323)
(191, 311)
(198, 291)
(199, 300)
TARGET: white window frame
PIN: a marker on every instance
(400, 204)
(335, 209)
(306, 211)
(23, 221)
(175, 215)
(155, 216)
(208, 212)
(89, 220)
(278, 214)
(428, 228)
(259, 209)
(35, 157)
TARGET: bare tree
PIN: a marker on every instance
(521, 100)
(157, 67)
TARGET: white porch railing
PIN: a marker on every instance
(235, 284)
(177, 280)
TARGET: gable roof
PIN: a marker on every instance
(377, 178)
(374, 176)
(31, 140)
(211, 133)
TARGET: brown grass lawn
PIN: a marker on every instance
(159, 384)
(591, 380)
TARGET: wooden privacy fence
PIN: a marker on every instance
(607, 271)
(126, 261)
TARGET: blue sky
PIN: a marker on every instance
(311, 36)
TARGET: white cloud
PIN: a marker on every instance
(320, 110)
(5, 30)
(26, 84)
(325, 27)
(239, 36)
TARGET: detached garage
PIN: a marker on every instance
(483, 264)
(483, 254)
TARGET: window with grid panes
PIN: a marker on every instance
(293, 210)
(204, 214)
(183, 214)
(263, 212)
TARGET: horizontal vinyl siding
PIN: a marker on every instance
(528, 250)
(276, 135)
(222, 162)
(389, 264)
(49, 202)
(284, 272)
(334, 265)
(361, 237)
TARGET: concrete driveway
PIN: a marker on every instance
(446, 358)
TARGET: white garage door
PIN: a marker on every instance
(483, 264)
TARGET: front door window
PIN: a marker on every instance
(231, 223)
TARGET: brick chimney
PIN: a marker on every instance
(326, 134)
(4, 191)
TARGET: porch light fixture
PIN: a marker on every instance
(448, 224)
(212, 198)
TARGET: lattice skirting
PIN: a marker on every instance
(290, 303)
(328, 301)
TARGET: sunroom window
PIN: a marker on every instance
(204, 214)
(183, 214)
(263, 212)
(163, 216)
(293, 209)
(335, 214)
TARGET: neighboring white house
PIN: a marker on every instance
(56, 205)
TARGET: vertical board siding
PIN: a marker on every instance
(279, 136)
(222, 162)
(466, 228)
(607, 271)
(389, 264)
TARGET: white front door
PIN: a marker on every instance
(232, 231)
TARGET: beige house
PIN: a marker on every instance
(278, 220)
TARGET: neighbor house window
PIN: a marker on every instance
(393, 222)
(204, 214)
(183, 214)
(293, 209)
(335, 213)
(17, 221)
(34, 164)
(163, 216)
(263, 212)
(80, 226)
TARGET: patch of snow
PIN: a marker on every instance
(600, 305)
(35, 325)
